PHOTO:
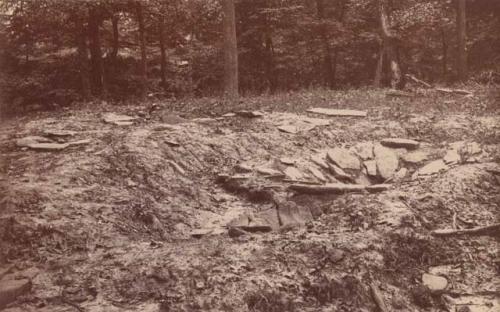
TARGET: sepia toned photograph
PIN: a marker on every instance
(250, 155)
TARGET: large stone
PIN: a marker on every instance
(433, 168)
(251, 223)
(452, 157)
(387, 162)
(434, 283)
(339, 173)
(338, 112)
(343, 158)
(400, 143)
(317, 174)
(364, 150)
(320, 161)
(293, 173)
(48, 146)
(401, 174)
(11, 289)
(371, 168)
(415, 158)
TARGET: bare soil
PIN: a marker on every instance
(137, 220)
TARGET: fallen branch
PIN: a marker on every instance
(334, 188)
(482, 230)
(377, 297)
(415, 79)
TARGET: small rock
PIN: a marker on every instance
(387, 162)
(452, 157)
(343, 158)
(400, 143)
(288, 129)
(228, 115)
(173, 143)
(434, 283)
(287, 161)
(371, 167)
(11, 289)
(244, 168)
(199, 233)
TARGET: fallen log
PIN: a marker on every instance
(333, 188)
(377, 297)
(481, 230)
(415, 79)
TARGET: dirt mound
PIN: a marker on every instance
(169, 214)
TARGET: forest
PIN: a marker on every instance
(58, 52)
(249, 155)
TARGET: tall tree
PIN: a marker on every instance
(96, 63)
(462, 39)
(142, 43)
(327, 54)
(163, 54)
(83, 52)
(230, 51)
(389, 48)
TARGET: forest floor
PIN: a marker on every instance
(194, 213)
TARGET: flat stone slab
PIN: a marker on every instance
(293, 173)
(119, 120)
(338, 112)
(387, 162)
(11, 289)
(433, 168)
(249, 114)
(59, 133)
(317, 174)
(344, 158)
(400, 143)
(48, 146)
(29, 140)
(288, 129)
(288, 161)
(434, 283)
(269, 171)
(415, 157)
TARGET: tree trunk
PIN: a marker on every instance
(377, 82)
(96, 64)
(83, 57)
(462, 39)
(116, 38)
(327, 54)
(163, 58)
(230, 51)
(341, 7)
(270, 70)
(444, 61)
(142, 43)
(390, 47)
